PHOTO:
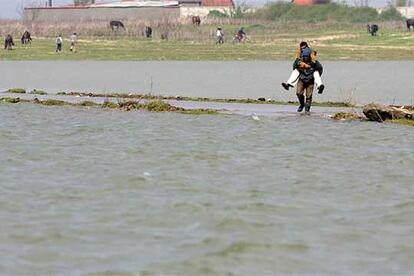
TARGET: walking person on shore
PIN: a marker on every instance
(220, 36)
(73, 42)
(59, 43)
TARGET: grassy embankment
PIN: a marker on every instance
(337, 32)
(350, 42)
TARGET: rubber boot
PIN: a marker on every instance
(308, 104)
(301, 102)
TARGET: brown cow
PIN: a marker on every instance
(116, 24)
(196, 20)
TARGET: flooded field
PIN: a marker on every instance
(363, 82)
(86, 190)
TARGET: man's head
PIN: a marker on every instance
(303, 45)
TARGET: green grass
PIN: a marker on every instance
(38, 92)
(13, 100)
(17, 90)
(405, 122)
(270, 41)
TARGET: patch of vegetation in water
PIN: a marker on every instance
(107, 104)
(38, 92)
(405, 122)
(334, 104)
(346, 116)
(203, 99)
(153, 106)
(200, 112)
(17, 90)
(130, 105)
(52, 102)
(13, 100)
(162, 106)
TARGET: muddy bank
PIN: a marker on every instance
(403, 115)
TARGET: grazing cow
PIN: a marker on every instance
(8, 42)
(26, 38)
(116, 24)
(147, 32)
(164, 36)
(372, 29)
(196, 20)
(410, 24)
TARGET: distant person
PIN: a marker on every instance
(26, 38)
(241, 34)
(8, 42)
(147, 32)
(300, 63)
(73, 42)
(220, 36)
(59, 43)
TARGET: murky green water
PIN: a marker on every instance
(92, 191)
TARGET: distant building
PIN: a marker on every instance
(128, 9)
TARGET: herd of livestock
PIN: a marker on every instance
(116, 24)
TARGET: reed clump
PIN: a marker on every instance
(17, 90)
(38, 92)
(347, 116)
(200, 99)
(158, 106)
(153, 106)
(405, 122)
(12, 100)
(51, 102)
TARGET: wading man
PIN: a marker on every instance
(306, 82)
(299, 62)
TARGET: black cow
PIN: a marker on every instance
(196, 20)
(26, 38)
(147, 32)
(410, 24)
(8, 42)
(116, 24)
(372, 29)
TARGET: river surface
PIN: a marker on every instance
(86, 190)
(362, 82)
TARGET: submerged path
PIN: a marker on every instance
(385, 82)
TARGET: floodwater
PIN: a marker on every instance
(362, 82)
(86, 190)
